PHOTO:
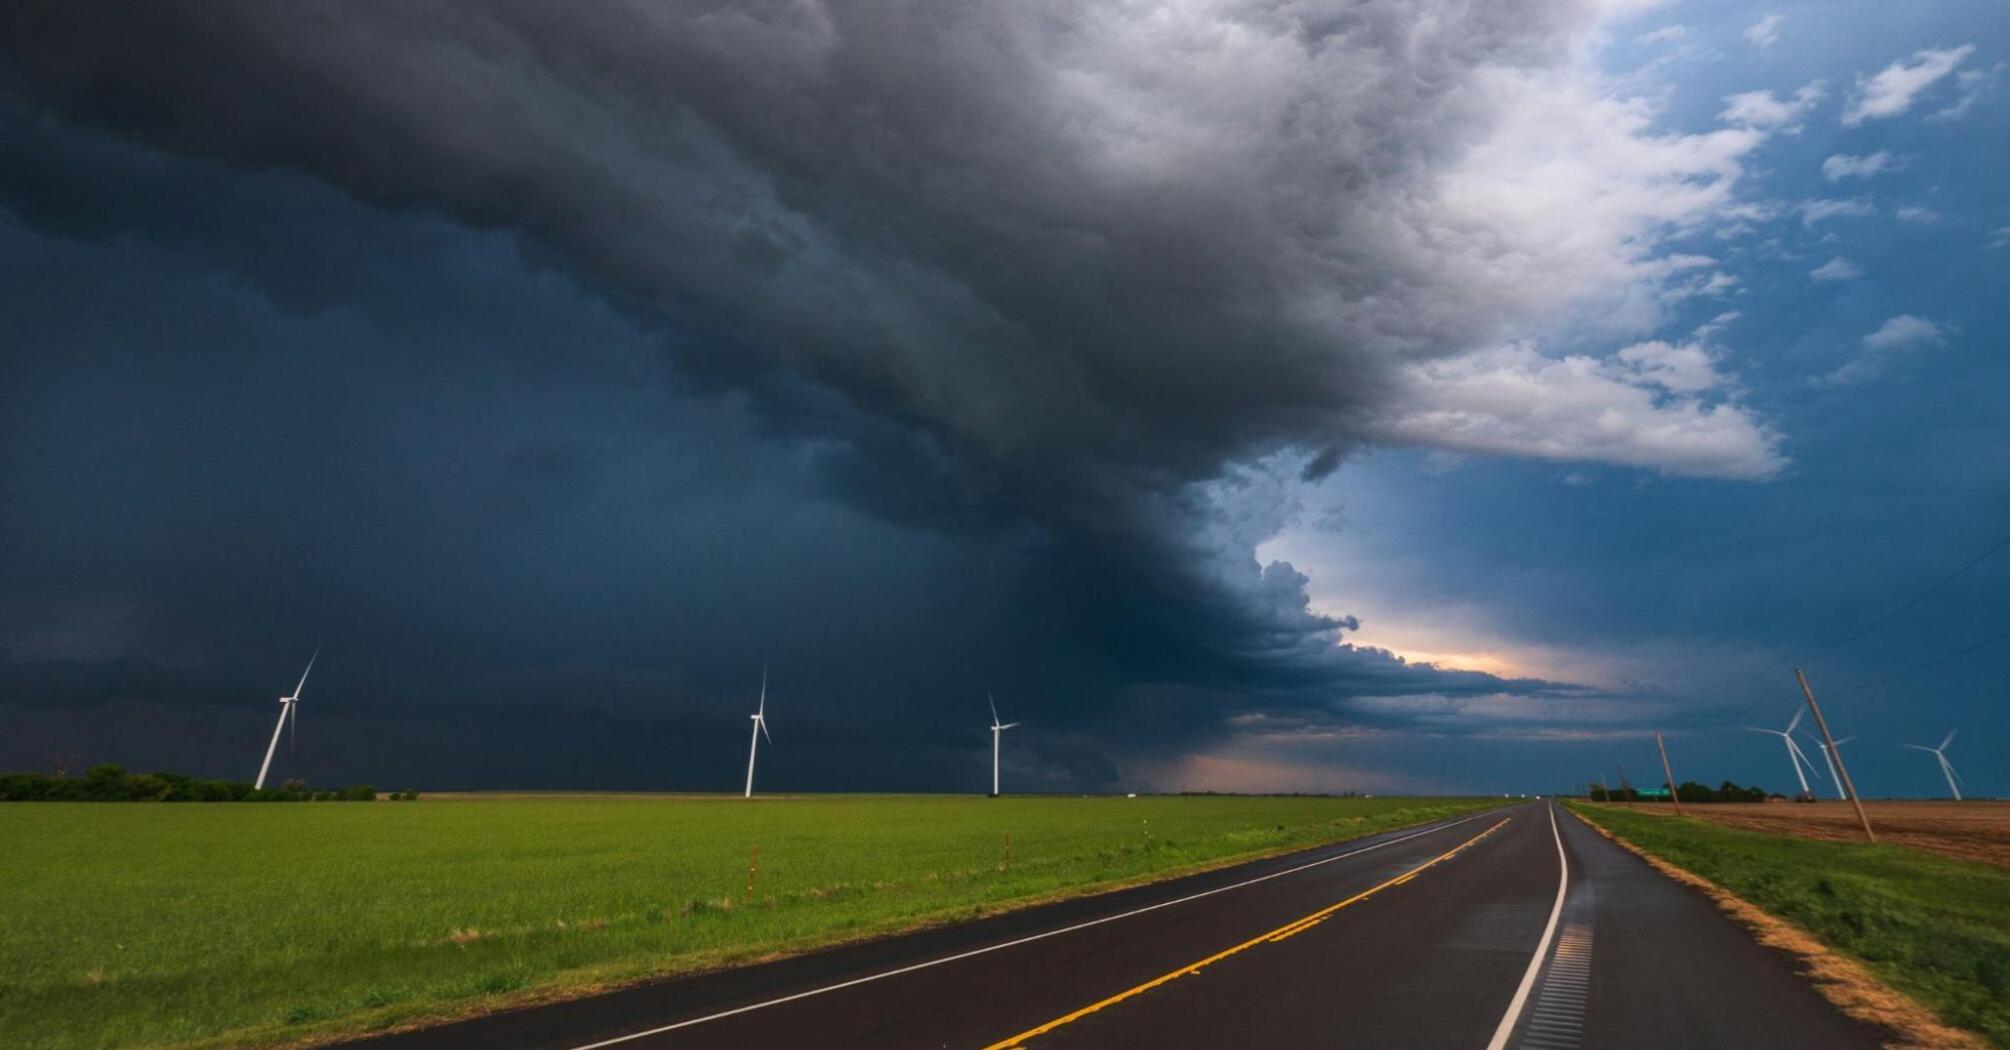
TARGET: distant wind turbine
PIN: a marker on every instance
(1946, 767)
(997, 732)
(760, 730)
(288, 707)
(1794, 753)
(1831, 760)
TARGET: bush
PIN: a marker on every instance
(24, 787)
(146, 787)
(106, 783)
(1729, 792)
(216, 791)
(67, 789)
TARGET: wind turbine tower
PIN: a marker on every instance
(1946, 768)
(997, 732)
(1831, 761)
(1794, 753)
(760, 730)
(288, 706)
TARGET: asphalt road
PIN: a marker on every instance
(1515, 928)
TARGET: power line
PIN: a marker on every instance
(1935, 662)
(1909, 603)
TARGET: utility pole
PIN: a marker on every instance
(1674, 795)
(1829, 739)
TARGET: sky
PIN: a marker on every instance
(1403, 396)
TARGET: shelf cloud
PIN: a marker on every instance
(1091, 289)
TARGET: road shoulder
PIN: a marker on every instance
(1843, 981)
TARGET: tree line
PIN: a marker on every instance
(111, 783)
(1690, 791)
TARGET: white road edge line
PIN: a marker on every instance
(1499, 1041)
(869, 978)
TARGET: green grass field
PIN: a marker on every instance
(134, 924)
(1932, 926)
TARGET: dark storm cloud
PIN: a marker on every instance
(1054, 310)
(1016, 229)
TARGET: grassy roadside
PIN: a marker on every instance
(156, 925)
(1933, 927)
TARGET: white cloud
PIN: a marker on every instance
(1836, 269)
(1896, 87)
(1905, 332)
(2001, 239)
(1899, 335)
(1763, 109)
(1750, 211)
(1577, 191)
(1709, 329)
(1644, 407)
(1844, 166)
(1678, 368)
(1663, 35)
(1765, 32)
(1914, 213)
(1567, 206)
(1971, 83)
(1717, 283)
(1814, 211)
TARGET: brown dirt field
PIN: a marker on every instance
(1968, 830)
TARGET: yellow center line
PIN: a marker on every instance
(1289, 929)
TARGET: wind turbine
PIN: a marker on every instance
(1794, 753)
(760, 730)
(1946, 767)
(997, 732)
(1831, 760)
(287, 707)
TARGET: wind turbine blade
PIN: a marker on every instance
(304, 674)
(1920, 747)
(1798, 712)
(1007, 725)
(1756, 729)
(1844, 740)
(1949, 766)
(1949, 740)
(293, 729)
(763, 709)
(763, 723)
(993, 701)
(1799, 754)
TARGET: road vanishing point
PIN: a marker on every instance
(1520, 927)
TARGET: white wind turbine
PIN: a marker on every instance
(1794, 753)
(288, 706)
(997, 732)
(1831, 760)
(760, 730)
(1946, 767)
